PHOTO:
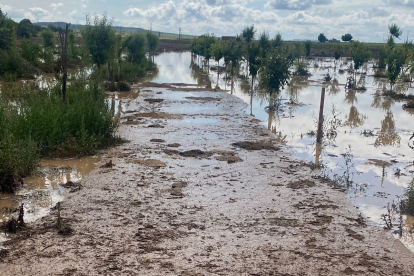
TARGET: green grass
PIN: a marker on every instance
(407, 203)
(35, 122)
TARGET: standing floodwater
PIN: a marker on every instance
(366, 145)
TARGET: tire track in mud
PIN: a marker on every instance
(201, 198)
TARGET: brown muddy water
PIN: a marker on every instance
(368, 151)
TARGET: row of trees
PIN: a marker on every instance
(23, 54)
(271, 59)
(269, 56)
(345, 38)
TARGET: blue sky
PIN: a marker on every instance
(294, 19)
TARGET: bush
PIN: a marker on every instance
(40, 123)
(301, 69)
(407, 203)
(123, 86)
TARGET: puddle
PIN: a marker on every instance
(362, 126)
(42, 191)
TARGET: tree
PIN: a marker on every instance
(30, 51)
(6, 32)
(394, 30)
(337, 52)
(248, 34)
(47, 37)
(136, 46)
(346, 37)
(153, 41)
(99, 39)
(359, 54)
(395, 59)
(322, 38)
(277, 41)
(308, 45)
(63, 38)
(275, 74)
(26, 29)
(264, 44)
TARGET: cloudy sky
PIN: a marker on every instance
(295, 19)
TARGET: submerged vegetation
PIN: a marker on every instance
(58, 119)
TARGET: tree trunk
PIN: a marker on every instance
(63, 36)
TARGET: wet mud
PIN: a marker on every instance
(190, 213)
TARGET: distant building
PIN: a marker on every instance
(224, 38)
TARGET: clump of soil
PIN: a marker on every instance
(171, 152)
(257, 145)
(149, 163)
(156, 126)
(229, 156)
(210, 99)
(285, 222)
(173, 145)
(300, 184)
(176, 189)
(378, 163)
(195, 153)
(156, 115)
(157, 140)
(154, 100)
(321, 220)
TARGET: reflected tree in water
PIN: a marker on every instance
(354, 119)
(385, 103)
(199, 75)
(350, 97)
(388, 136)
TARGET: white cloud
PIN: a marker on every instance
(54, 6)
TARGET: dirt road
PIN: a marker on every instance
(202, 189)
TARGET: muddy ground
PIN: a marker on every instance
(202, 189)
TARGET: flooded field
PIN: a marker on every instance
(367, 151)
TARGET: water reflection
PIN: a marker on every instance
(388, 136)
(370, 184)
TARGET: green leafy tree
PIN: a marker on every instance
(338, 50)
(232, 54)
(254, 61)
(99, 38)
(47, 37)
(394, 30)
(264, 44)
(322, 38)
(308, 45)
(30, 51)
(7, 35)
(153, 42)
(277, 41)
(217, 52)
(136, 46)
(26, 29)
(275, 73)
(395, 59)
(346, 37)
(359, 54)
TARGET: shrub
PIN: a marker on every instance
(407, 203)
(123, 86)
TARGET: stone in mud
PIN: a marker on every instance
(300, 184)
(149, 163)
(256, 145)
(156, 126)
(157, 140)
(173, 145)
